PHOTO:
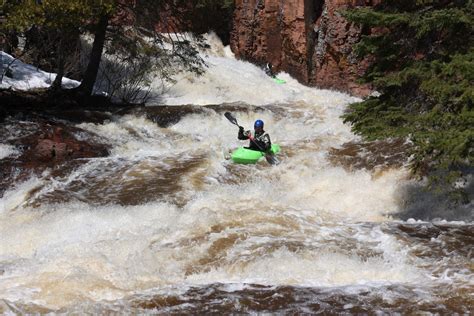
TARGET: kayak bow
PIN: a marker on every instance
(278, 80)
(247, 156)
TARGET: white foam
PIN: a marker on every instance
(16, 196)
(7, 151)
(87, 249)
(284, 267)
(230, 80)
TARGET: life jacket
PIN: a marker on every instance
(263, 142)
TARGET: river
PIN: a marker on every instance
(166, 224)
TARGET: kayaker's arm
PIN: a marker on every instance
(267, 142)
(242, 135)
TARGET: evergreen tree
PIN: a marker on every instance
(424, 69)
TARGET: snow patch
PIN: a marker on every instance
(17, 75)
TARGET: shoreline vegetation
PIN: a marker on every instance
(424, 70)
(116, 47)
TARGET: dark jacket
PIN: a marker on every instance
(269, 70)
(261, 141)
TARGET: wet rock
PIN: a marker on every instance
(166, 115)
(374, 156)
(49, 145)
(57, 142)
(3, 115)
(54, 102)
(308, 39)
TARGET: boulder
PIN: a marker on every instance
(52, 145)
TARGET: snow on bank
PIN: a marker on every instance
(22, 76)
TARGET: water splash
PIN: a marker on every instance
(167, 219)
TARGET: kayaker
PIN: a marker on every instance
(269, 70)
(260, 141)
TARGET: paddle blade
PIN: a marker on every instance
(271, 159)
(231, 118)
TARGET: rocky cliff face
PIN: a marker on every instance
(309, 39)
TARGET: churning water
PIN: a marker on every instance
(166, 224)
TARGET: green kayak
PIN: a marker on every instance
(278, 80)
(247, 156)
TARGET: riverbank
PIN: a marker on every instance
(40, 130)
(37, 128)
(14, 101)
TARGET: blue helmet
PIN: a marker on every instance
(258, 124)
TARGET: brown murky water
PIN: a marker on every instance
(167, 225)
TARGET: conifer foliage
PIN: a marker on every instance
(126, 51)
(424, 70)
(65, 19)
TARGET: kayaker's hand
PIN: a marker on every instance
(247, 133)
(241, 129)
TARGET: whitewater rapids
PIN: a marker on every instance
(166, 224)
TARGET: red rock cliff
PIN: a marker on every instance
(309, 39)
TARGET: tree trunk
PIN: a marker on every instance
(87, 84)
(60, 72)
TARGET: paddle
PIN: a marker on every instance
(271, 159)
